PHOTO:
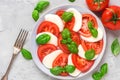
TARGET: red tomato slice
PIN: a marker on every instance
(47, 26)
(84, 29)
(60, 60)
(97, 46)
(64, 74)
(63, 47)
(60, 12)
(70, 24)
(75, 37)
(97, 6)
(82, 64)
(44, 50)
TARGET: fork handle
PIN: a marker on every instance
(5, 77)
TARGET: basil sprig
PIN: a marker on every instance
(58, 69)
(98, 75)
(93, 30)
(41, 5)
(66, 39)
(115, 47)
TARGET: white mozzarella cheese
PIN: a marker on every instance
(78, 19)
(92, 39)
(55, 19)
(53, 39)
(81, 52)
(76, 72)
(48, 59)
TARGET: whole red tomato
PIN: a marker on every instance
(111, 18)
(97, 5)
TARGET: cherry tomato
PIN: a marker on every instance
(97, 5)
(97, 46)
(84, 29)
(82, 64)
(44, 50)
(47, 26)
(111, 18)
(60, 60)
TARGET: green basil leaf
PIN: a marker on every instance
(101, 73)
(72, 0)
(35, 15)
(104, 69)
(115, 47)
(96, 76)
(90, 54)
(57, 70)
(43, 39)
(93, 31)
(63, 41)
(70, 68)
(67, 16)
(72, 48)
(66, 33)
(41, 6)
(26, 54)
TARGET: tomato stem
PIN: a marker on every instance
(98, 2)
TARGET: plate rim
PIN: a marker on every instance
(99, 57)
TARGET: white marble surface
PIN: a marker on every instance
(15, 14)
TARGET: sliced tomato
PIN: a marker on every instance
(44, 50)
(63, 47)
(84, 29)
(82, 64)
(70, 24)
(75, 37)
(60, 60)
(60, 12)
(97, 46)
(64, 74)
(47, 26)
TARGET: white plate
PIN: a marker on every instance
(34, 45)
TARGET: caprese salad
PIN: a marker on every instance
(69, 42)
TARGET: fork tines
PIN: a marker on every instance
(21, 38)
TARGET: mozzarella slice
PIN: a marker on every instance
(48, 59)
(78, 19)
(76, 72)
(53, 39)
(55, 19)
(92, 39)
(81, 52)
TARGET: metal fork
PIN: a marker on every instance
(16, 49)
